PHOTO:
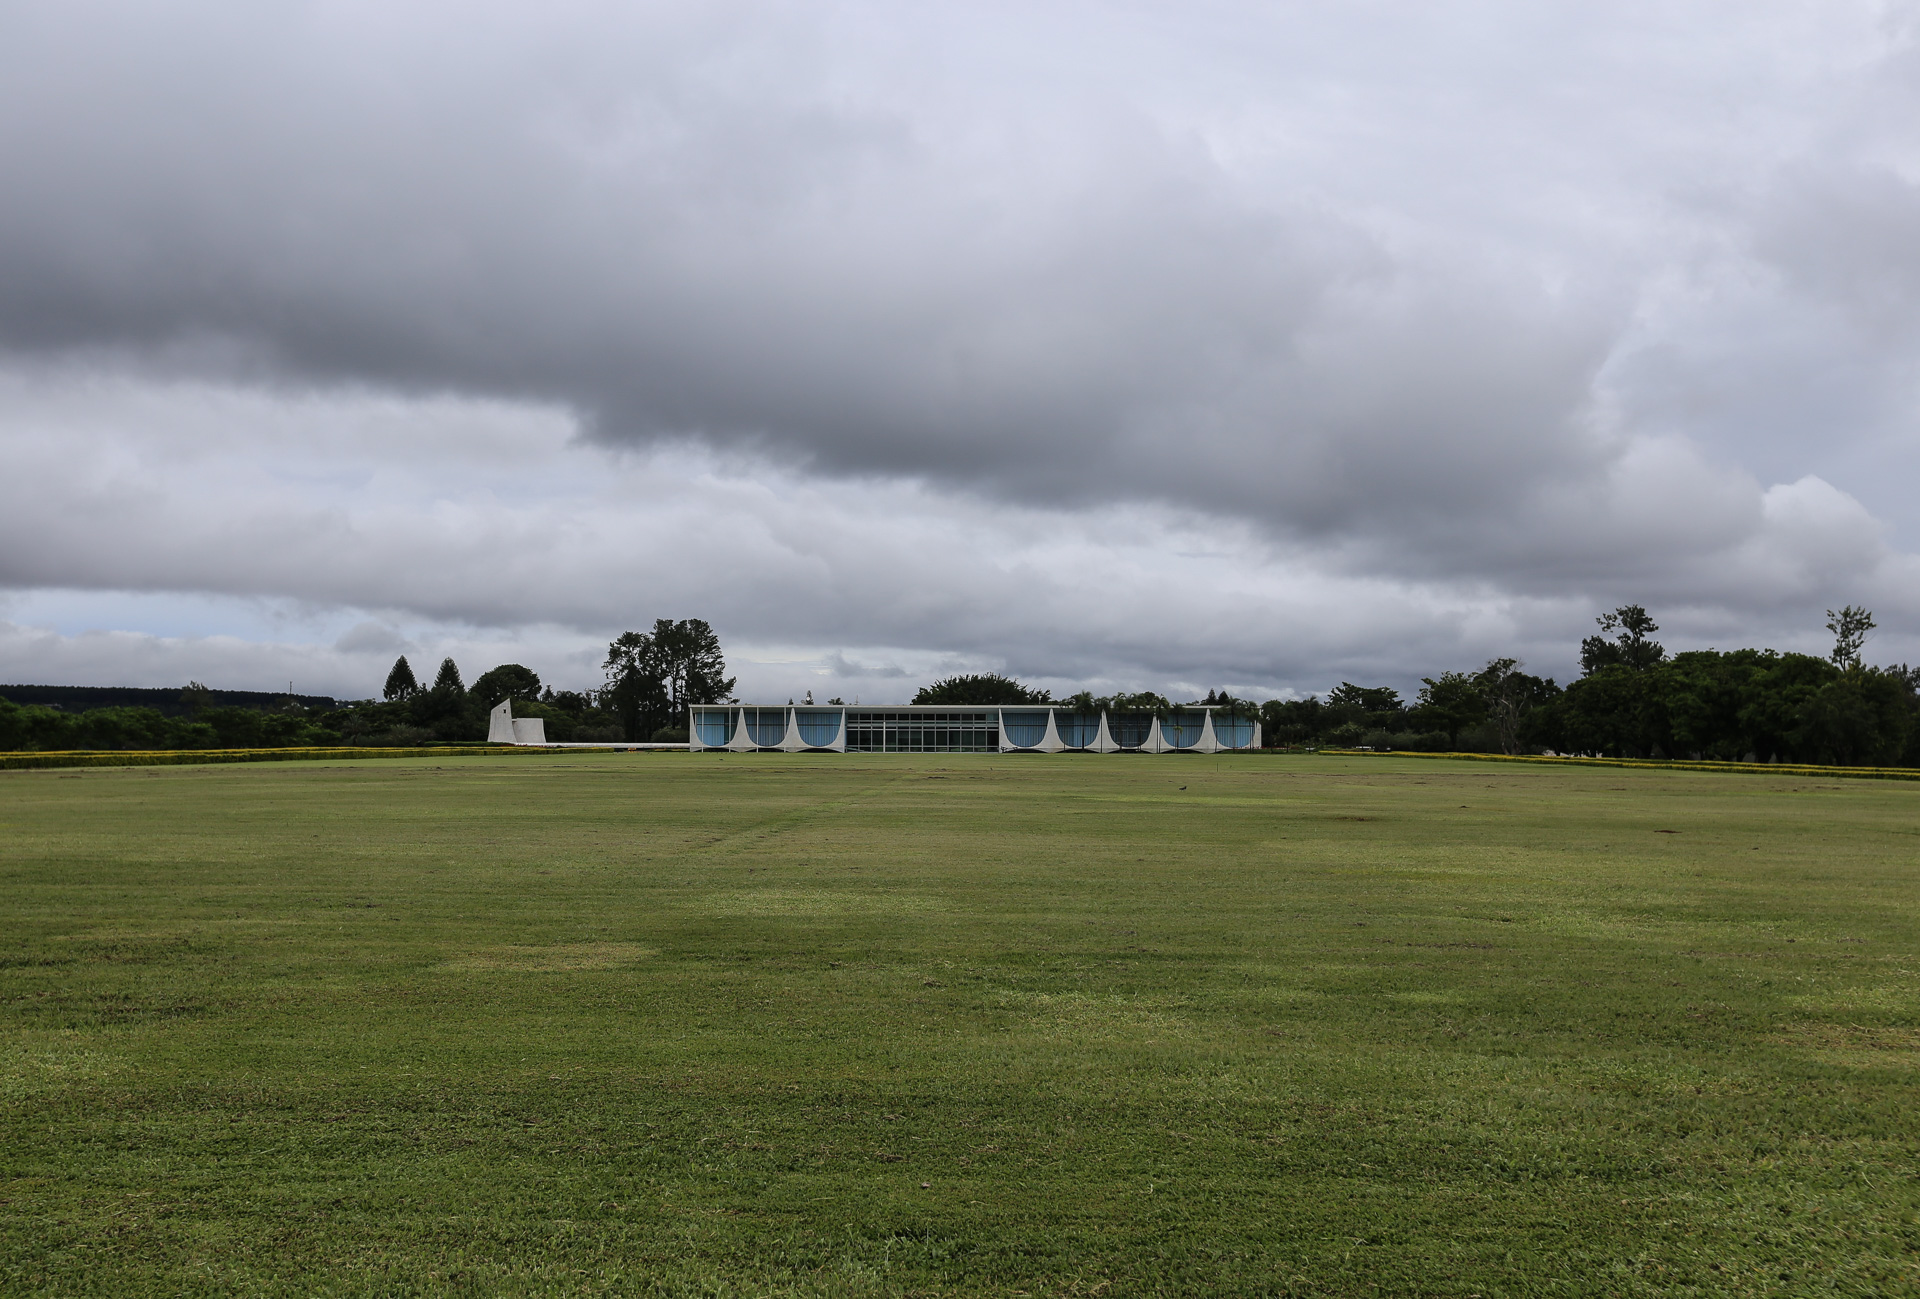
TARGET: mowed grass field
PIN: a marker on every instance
(701, 1025)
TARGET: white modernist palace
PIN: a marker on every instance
(943, 728)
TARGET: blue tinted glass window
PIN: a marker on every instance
(1182, 730)
(818, 727)
(1233, 732)
(1024, 730)
(1077, 730)
(713, 725)
(766, 727)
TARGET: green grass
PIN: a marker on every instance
(857, 1025)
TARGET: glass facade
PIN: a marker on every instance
(1130, 730)
(1233, 732)
(1077, 730)
(766, 727)
(890, 732)
(1024, 730)
(1183, 730)
(819, 727)
(934, 729)
(713, 725)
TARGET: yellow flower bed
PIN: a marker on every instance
(172, 757)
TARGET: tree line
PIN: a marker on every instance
(650, 680)
(1632, 700)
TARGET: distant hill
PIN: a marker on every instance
(80, 699)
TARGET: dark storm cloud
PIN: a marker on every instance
(684, 228)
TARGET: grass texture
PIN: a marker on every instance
(929, 1024)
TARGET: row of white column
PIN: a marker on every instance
(1156, 742)
(789, 740)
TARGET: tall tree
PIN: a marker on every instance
(400, 683)
(1365, 699)
(692, 665)
(653, 679)
(636, 689)
(1849, 627)
(1511, 696)
(1450, 702)
(447, 680)
(508, 681)
(1631, 645)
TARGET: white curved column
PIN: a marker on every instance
(790, 742)
(1257, 737)
(741, 742)
(1000, 721)
(839, 744)
(1156, 742)
(1050, 742)
(1103, 742)
(1209, 742)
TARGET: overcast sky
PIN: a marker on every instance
(1122, 345)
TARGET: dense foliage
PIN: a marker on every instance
(33, 726)
(982, 689)
(1635, 701)
(651, 678)
(1632, 700)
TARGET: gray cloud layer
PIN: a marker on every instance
(1509, 305)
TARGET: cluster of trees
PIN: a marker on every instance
(1452, 704)
(409, 713)
(987, 688)
(1634, 700)
(650, 679)
(38, 727)
(1485, 711)
(653, 677)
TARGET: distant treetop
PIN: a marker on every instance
(508, 681)
(980, 688)
(447, 681)
(1632, 646)
(400, 682)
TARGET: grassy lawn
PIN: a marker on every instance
(951, 1024)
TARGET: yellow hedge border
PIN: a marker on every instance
(1746, 768)
(180, 757)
